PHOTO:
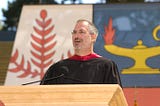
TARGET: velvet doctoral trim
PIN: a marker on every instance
(84, 58)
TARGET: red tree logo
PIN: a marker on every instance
(41, 51)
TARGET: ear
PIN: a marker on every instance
(93, 37)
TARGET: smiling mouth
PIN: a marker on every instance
(77, 40)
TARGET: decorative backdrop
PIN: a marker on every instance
(128, 34)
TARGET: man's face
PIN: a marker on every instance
(81, 37)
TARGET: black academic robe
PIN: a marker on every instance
(93, 71)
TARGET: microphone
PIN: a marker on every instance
(64, 74)
(45, 80)
(63, 69)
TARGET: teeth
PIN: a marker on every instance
(77, 40)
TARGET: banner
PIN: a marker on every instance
(43, 38)
(129, 35)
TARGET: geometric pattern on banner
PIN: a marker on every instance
(43, 37)
(129, 35)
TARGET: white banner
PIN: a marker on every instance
(43, 38)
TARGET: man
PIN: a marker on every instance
(85, 66)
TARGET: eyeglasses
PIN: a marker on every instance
(81, 32)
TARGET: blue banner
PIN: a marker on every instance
(130, 35)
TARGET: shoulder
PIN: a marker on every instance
(106, 61)
(103, 59)
(60, 63)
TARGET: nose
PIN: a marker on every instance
(76, 34)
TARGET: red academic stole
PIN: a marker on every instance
(84, 58)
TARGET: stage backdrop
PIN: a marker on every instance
(43, 37)
(128, 34)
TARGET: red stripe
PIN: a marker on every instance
(144, 96)
(84, 58)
